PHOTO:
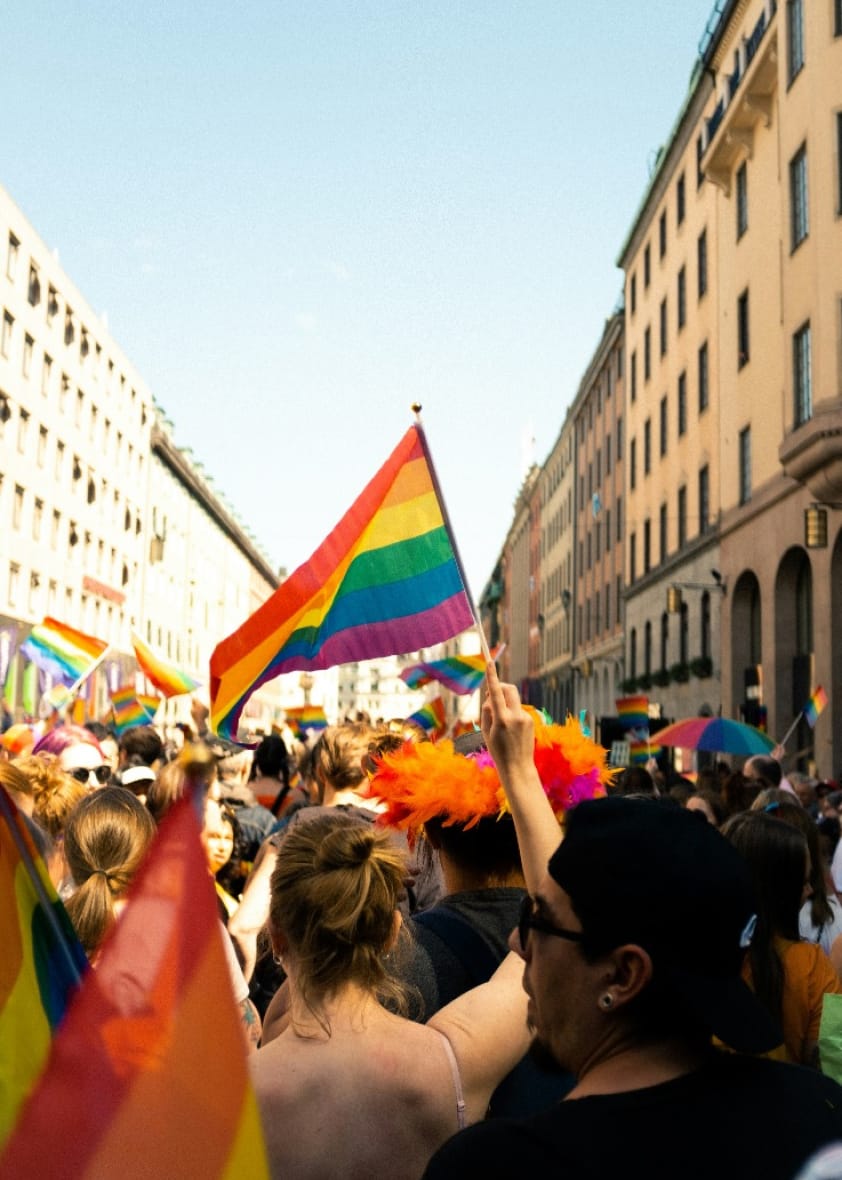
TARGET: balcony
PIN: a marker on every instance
(746, 99)
(812, 453)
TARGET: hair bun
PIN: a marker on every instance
(345, 847)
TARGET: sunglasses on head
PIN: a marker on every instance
(82, 774)
(530, 920)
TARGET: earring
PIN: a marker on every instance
(277, 960)
(606, 1002)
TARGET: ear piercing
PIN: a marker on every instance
(606, 1002)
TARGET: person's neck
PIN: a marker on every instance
(462, 879)
(635, 1066)
(348, 797)
(348, 1008)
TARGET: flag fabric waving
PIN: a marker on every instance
(129, 711)
(816, 705)
(386, 581)
(461, 674)
(431, 717)
(634, 712)
(41, 962)
(62, 651)
(167, 677)
(148, 1073)
(302, 717)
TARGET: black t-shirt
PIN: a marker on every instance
(736, 1118)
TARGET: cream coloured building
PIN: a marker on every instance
(556, 491)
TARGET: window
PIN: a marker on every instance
(682, 404)
(679, 200)
(745, 465)
(633, 464)
(703, 378)
(704, 499)
(54, 527)
(619, 533)
(633, 376)
(684, 634)
(662, 532)
(633, 557)
(839, 158)
(663, 327)
(798, 208)
(52, 305)
(663, 425)
(607, 529)
(647, 354)
(37, 518)
(619, 439)
(17, 507)
(42, 445)
(608, 455)
(743, 352)
(837, 18)
(702, 263)
(59, 468)
(662, 234)
(742, 199)
(705, 627)
(34, 288)
(46, 373)
(607, 605)
(682, 517)
(795, 37)
(700, 151)
(647, 446)
(14, 583)
(665, 639)
(681, 297)
(647, 266)
(618, 597)
(633, 294)
(647, 648)
(23, 430)
(647, 546)
(6, 337)
(802, 379)
(28, 345)
(12, 257)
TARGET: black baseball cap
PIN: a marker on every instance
(663, 878)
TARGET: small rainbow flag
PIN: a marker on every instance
(816, 705)
(386, 581)
(461, 674)
(640, 752)
(168, 678)
(41, 963)
(302, 717)
(431, 717)
(61, 650)
(128, 710)
(132, 1069)
(634, 712)
(150, 702)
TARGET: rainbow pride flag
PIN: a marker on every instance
(641, 751)
(386, 581)
(633, 712)
(134, 1085)
(150, 702)
(816, 705)
(168, 678)
(129, 711)
(431, 717)
(302, 717)
(41, 962)
(67, 654)
(461, 674)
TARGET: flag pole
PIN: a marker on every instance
(7, 814)
(74, 688)
(416, 409)
(791, 729)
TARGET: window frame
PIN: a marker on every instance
(799, 199)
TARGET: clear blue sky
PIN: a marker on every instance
(302, 217)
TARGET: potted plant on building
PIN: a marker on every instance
(680, 672)
(701, 667)
(661, 677)
(644, 681)
(629, 684)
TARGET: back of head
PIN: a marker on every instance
(141, 746)
(334, 894)
(54, 793)
(271, 758)
(106, 839)
(777, 855)
(56, 740)
(339, 757)
(763, 771)
(635, 780)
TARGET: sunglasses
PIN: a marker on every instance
(530, 920)
(82, 774)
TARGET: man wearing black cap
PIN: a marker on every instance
(633, 943)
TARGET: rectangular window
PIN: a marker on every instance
(745, 465)
(681, 297)
(682, 517)
(607, 605)
(837, 18)
(17, 507)
(663, 326)
(619, 533)
(607, 529)
(703, 378)
(647, 354)
(14, 583)
(799, 221)
(633, 375)
(618, 599)
(647, 446)
(662, 530)
(704, 499)
(42, 445)
(679, 200)
(633, 557)
(37, 518)
(663, 425)
(46, 373)
(633, 294)
(28, 345)
(839, 159)
(682, 404)
(647, 546)
(662, 234)
(802, 378)
(619, 439)
(608, 455)
(12, 257)
(633, 464)
(700, 151)
(742, 199)
(702, 263)
(6, 336)
(59, 469)
(795, 37)
(647, 266)
(23, 430)
(743, 349)
(54, 528)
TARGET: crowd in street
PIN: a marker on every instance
(493, 956)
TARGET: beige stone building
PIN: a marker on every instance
(556, 493)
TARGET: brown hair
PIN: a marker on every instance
(12, 777)
(335, 890)
(105, 841)
(54, 792)
(339, 756)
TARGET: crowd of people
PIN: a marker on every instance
(494, 956)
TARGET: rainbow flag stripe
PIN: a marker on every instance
(816, 705)
(129, 710)
(431, 717)
(641, 752)
(385, 581)
(61, 650)
(167, 677)
(634, 711)
(40, 963)
(302, 717)
(132, 1069)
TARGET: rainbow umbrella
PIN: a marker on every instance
(719, 734)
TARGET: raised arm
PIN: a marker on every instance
(510, 736)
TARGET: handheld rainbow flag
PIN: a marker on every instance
(41, 963)
(69, 655)
(167, 677)
(461, 674)
(431, 717)
(387, 580)
(816, 705)
(128, 709)
(302, 717)
(641, 751)
(150, 702)
(132, 1069)
(633, 712)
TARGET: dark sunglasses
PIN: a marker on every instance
(82, 774)
(530, 920)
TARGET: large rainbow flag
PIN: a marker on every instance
(148, 1073)
(41, 961)
(64, 652)
(386, 581)
(167, 677)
